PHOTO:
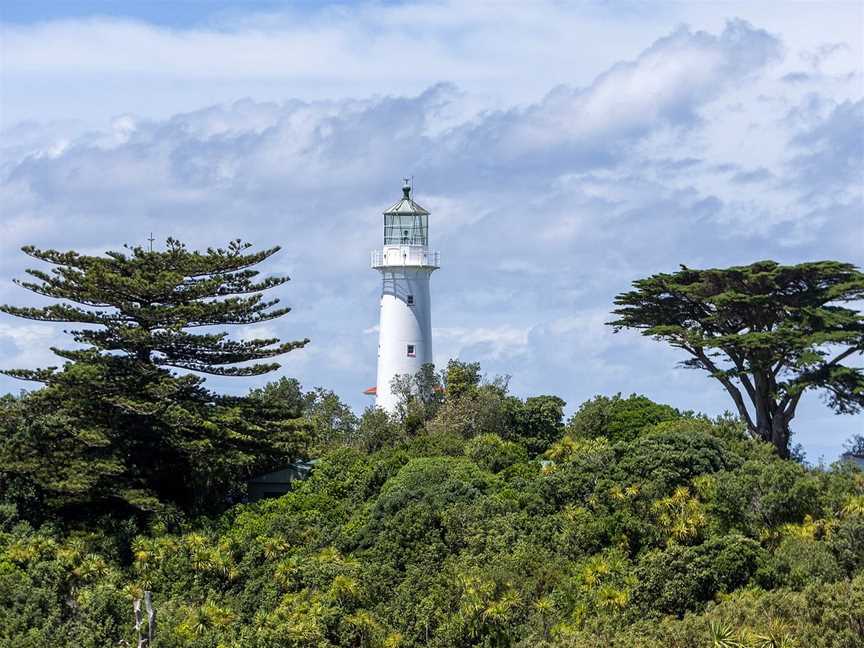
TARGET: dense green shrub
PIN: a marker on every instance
(679, 579)
(493, 453)
(762, 494)
(800, 561)
(669, 459)
(536, 422)
(847, 543)
(618, 419)
(683, 535)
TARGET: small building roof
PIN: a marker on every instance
(295, 470)
(406, 206)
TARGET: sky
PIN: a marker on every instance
(564, 150)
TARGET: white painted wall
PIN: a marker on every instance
(402, 324)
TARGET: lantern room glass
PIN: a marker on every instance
(406, 229)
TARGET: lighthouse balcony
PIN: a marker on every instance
(405, 255)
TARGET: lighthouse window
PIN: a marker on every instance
(411, 353)
(410, 300)
(406, 229)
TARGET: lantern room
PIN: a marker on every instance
(406, 222)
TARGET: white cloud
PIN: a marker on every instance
(503, 54)
(496, 343)
(672, 145)
(26, 345)
(665, 85)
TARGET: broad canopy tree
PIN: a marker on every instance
(116, 426)
(767, 332)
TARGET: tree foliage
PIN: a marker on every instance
(115, 428)
(331, 422)
(143, 303)
(685, 534)
(767, 332)
(617, 418)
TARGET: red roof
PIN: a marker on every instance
(372, 391)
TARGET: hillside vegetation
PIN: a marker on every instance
(476, 520)
(467, 517)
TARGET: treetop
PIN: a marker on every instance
(142, 303)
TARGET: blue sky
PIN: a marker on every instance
(564, 151)
(167, 13)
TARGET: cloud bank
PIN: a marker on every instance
(695, 149)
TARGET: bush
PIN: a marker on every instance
(535, 423)
(680, 579)
(847, 543)
(434, 482)
(798, 562)
(480, 410)
(376, 430)
(664, 460)
(764, 494)
(493, 453)
(618, 419)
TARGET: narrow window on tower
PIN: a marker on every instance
(410, 300)
(411, 353)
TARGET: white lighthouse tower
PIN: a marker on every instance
(406, 265)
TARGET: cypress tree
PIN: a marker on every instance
(767, 332)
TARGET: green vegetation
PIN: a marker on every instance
(770, 330)
(469, 518)
(114, 430)
(636, 525)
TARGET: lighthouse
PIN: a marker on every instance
(405, 324)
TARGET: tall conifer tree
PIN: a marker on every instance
(116, 427)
